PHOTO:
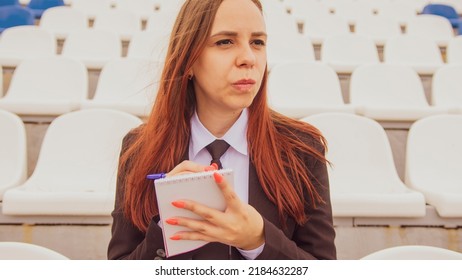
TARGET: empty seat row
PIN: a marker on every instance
(393, 92)
(94, 47)
(435, 28)
(63, 20)
(343, 51)
(57, 85)
(409, 7)
(77, 166)
(384, 92)
(363, 178)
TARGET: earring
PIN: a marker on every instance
(190, 76)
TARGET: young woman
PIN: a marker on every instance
(213, 86)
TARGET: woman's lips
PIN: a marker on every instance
(244, 84)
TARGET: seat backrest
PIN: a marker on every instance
(141, 8)
(441, 10)
(359, 152)
(15, 15)
(30, 40)
(129, 80)
(446, 86)
(280, 23)
(289, 48)
(304, 84)
(13, 154)
(93, 43)
(123, 22)
(398, 10)
(432, 27)
(386, 85)
(91, 8)
(325, 25)
(307, 8)
(414, 252)
(161, 22)
(407, 49)
(433, 153)
(9, 2)
(170, 5)
(61, 20)
(352, 11)
(149, 45)
(26, 251)
(44, 4)
(53, 78)
(454, 50)
(377, 27)
(80, 151)
(349, 48)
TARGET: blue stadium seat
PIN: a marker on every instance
(9, 2)
(39, 6)
(15, 15)
(443, 10)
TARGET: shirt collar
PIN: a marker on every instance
(236, 136)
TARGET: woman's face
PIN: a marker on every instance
(229, 71)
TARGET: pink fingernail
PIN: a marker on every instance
(175, 237)
(218, 177)
(172, 221)
(178, 204)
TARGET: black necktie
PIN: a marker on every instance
(216, 149)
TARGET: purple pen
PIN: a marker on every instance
(156, 176)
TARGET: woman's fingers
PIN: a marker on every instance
(228, 192)
(188, 166)
(201, 210)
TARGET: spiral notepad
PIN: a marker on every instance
(200, 187)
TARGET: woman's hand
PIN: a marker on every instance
(188, 166)
(239, 225)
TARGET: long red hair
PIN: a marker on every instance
(161, 143)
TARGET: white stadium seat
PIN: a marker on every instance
(420, 53)
(454, 50)
(124, 23)
(447, 88)
(302, 89)
(27, 251)
(127, 84)
(63, 20)
(13, 151)
(346, 52)
(433, 27)
(25, 42)
(46, 87)
(433, 161)
(363, 178)
(93, 47)
(77, 166)
(388, 92)
(414, 252)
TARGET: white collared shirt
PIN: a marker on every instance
(235, 158)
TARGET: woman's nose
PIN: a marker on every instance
(246, 57)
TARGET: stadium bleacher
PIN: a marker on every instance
(392, 69)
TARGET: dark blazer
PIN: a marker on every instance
(312, 240)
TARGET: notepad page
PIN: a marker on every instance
(200, 187)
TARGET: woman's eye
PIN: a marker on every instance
(259, 42)
(224, 42)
